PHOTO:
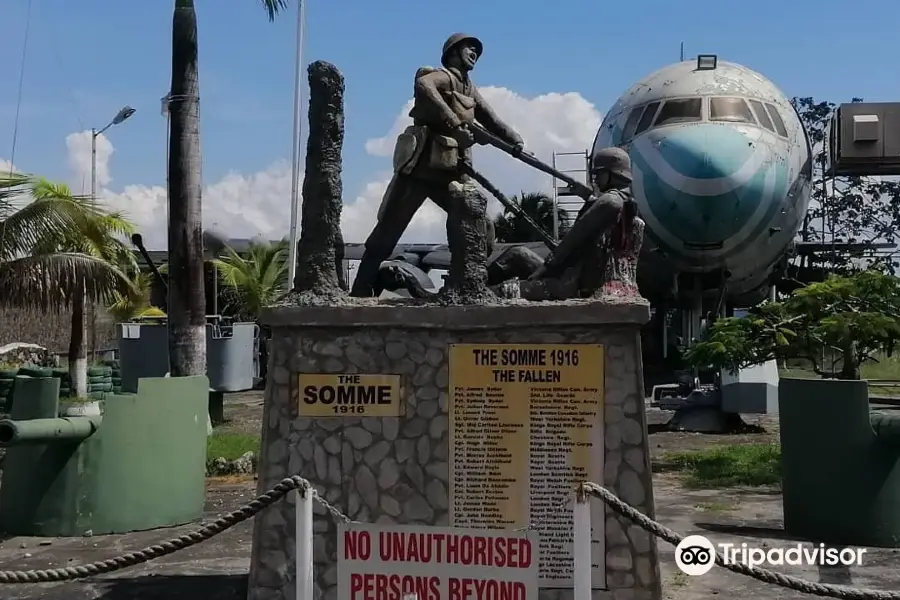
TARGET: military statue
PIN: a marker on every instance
(597, 257)
(432, 159)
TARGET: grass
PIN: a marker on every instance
(715, 507)
(678, 579)
(887, 368)
(231, 445)
(750, 465)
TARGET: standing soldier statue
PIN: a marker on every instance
(432, 159)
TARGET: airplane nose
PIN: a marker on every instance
(707, 181)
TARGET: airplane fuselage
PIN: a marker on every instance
(722, 175)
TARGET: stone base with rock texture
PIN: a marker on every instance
(396, 470)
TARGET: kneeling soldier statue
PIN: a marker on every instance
(432, 159)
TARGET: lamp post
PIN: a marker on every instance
(120, 117)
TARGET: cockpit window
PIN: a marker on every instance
(647, 118)
(776, 119)
(632, 123)
(732, 110)
(680, 111)
(761, 115)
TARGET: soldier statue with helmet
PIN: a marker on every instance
(596, 258)
(432, 159)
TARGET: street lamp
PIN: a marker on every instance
(120, 117)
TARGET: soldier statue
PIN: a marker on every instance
(596, 258)
(433, 156)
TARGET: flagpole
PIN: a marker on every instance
(295, 150)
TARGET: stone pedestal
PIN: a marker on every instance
(396, 469)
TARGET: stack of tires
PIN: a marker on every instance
(37, 372)
(99, 381)
(116, 375)
(65, 382)
(7, 379)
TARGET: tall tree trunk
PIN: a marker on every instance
(187, 293)
(77, 350)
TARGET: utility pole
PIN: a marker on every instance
(295, 150)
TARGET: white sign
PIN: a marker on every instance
(400, 562)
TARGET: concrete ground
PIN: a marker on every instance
(217, 569)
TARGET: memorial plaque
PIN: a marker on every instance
(526, 427)
(338, 395)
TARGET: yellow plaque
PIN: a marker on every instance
(333, 395)
(526, 426)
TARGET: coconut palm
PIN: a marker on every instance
(98, 234)
(33, 210)
(187, 294)
(254, 280)
(511, 228)
(56, 251)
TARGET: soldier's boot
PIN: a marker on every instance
(366, 274)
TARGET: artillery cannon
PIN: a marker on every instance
(43, 431)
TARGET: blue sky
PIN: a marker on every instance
(87, 58)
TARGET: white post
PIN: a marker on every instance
(304, 543)
(295, 150)
(581, 524)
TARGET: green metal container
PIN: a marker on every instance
(144, 467)
(840, 464)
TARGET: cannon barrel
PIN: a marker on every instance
(42, 431)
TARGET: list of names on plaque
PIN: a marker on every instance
(526, 426)
(489, 455)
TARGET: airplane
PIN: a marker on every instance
(722, 177)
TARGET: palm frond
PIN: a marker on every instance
(126, 307)
(273, 7)
(52, 281)
(257, 278)
(46, 217)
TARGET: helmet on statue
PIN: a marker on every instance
(458, 38)
(614, 160)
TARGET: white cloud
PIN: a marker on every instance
(258, 204)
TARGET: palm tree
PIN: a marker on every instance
(255, 279)
(511, 228)
(98, 234)
(187, 294)
(126, 308)
(53, 253)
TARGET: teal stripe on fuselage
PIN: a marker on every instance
(775, 205)
(709, 219)
(704, 150)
